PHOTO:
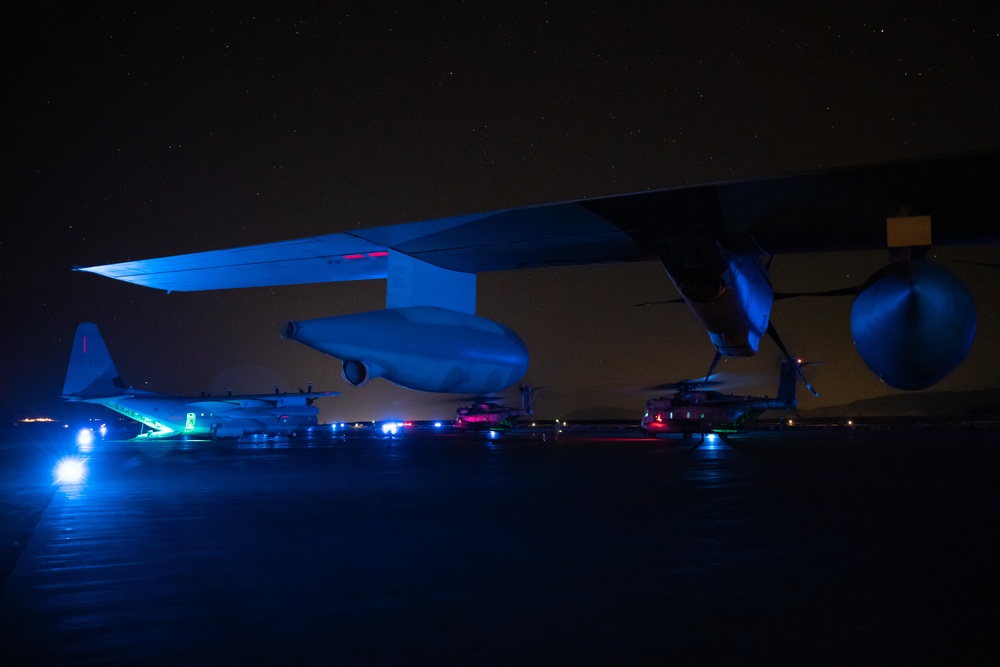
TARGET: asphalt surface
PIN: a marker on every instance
(788, 548)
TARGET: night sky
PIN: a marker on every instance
(137, 132)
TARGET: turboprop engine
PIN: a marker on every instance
(426, 348)
(913, 323)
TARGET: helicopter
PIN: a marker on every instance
(484, 414)
(693, 409)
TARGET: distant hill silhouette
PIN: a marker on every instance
(981, 404)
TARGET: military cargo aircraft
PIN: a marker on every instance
(93, 378)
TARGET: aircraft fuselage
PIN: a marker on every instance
(707, 412)
(167, 416)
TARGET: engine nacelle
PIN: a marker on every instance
(355, 373)
(734, 307)
(913, 323)
(358, 373)
(422, 347)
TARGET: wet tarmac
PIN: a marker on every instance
(787, 548)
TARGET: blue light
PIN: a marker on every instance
(390, 428)
(437, 424)
(711, 438)
(85, 440)
(70, 470)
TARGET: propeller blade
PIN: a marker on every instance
(657, 303)
(773, 333)
(844, 291)
(969, 261)
(711, 369)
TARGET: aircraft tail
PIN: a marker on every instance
(528, 398)
(786, 385)
(91, 373)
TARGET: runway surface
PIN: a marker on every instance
(805, 548)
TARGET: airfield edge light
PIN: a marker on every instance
(70, 470)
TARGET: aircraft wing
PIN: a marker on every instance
(330, 258)
(553, 235)
(840, 209)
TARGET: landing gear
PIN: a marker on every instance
(702, 430)
(701, 441)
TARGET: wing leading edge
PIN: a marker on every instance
(553, 235)
(329, 258)
(810, 212)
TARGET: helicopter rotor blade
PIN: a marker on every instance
(471, 399)
(687, 385)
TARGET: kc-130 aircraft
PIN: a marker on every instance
(913, 321)
(93, 378)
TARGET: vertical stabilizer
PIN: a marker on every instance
(527, 399)
(91, 372)
(786, 386)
